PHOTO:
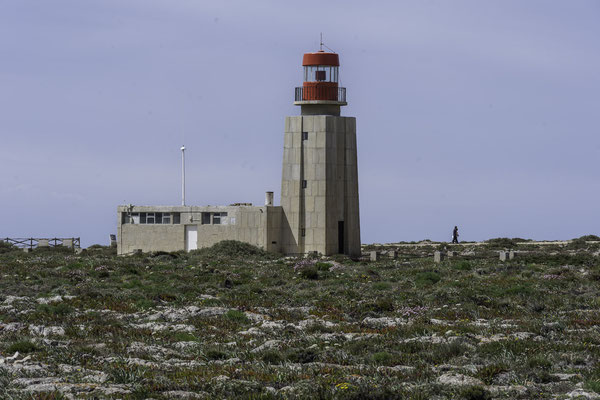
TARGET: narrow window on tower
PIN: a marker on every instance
(304, 184)
(303, 232)
(304, 135)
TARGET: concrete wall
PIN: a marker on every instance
(326, 160)
(260, 226)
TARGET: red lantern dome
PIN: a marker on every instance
(321, 75)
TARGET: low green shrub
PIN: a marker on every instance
(593, 385)
(463, 265)
(230, 248)
(427, 278)
(125, 373)
(22, 346)
(519, 290)
(272, 357)
(504, 243)
(382, 357)
(216, 354)
(475, 393)
(236, 316)
(382, 285)
(381, 304)
(309, 273)
(539, 362)
(489, 372)
(323, 266)
(6, 247)
(302, 356)
(56, 310)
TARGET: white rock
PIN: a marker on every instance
(254, 317)
(12, 299)
(22, 360)
(180, 394)
(269, 344)
(212, 311)
(157, 327)
(499, 390)
(40, 330)
(113, 389)
(522, 335)
(54, 299)
(580, 393)
(252, 331)
(96, 377)
(383, 322)
(271, 325)
(458, 380)
(270, 390)
(41, 387)
(35, 381)
(565, 377)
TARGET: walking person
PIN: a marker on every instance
(455, 235)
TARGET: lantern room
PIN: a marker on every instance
(321, 67)
(321, 76)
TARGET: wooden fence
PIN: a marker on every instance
(31, 243)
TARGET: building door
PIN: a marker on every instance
(191, 237)
(341, 237)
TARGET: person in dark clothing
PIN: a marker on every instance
(455, 235)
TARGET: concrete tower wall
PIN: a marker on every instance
(320, 154)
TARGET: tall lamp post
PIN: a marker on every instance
(183, 175)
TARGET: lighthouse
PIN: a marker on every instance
(319, 185)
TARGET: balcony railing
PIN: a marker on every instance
(320, 93)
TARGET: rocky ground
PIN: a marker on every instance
(234, 322)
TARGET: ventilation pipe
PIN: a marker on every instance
(269, 199)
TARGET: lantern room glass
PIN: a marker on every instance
(321, 73)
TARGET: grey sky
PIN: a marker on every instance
(481, 114)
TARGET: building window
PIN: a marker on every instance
(303, 232)
(205, 218)
(217, 217)
(304, 135)
(130, 218)
(304, 184)
(151, 218)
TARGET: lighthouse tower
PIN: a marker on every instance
(319, 185)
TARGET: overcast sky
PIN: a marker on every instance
(481, 114)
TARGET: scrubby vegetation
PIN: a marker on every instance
(233, 321)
